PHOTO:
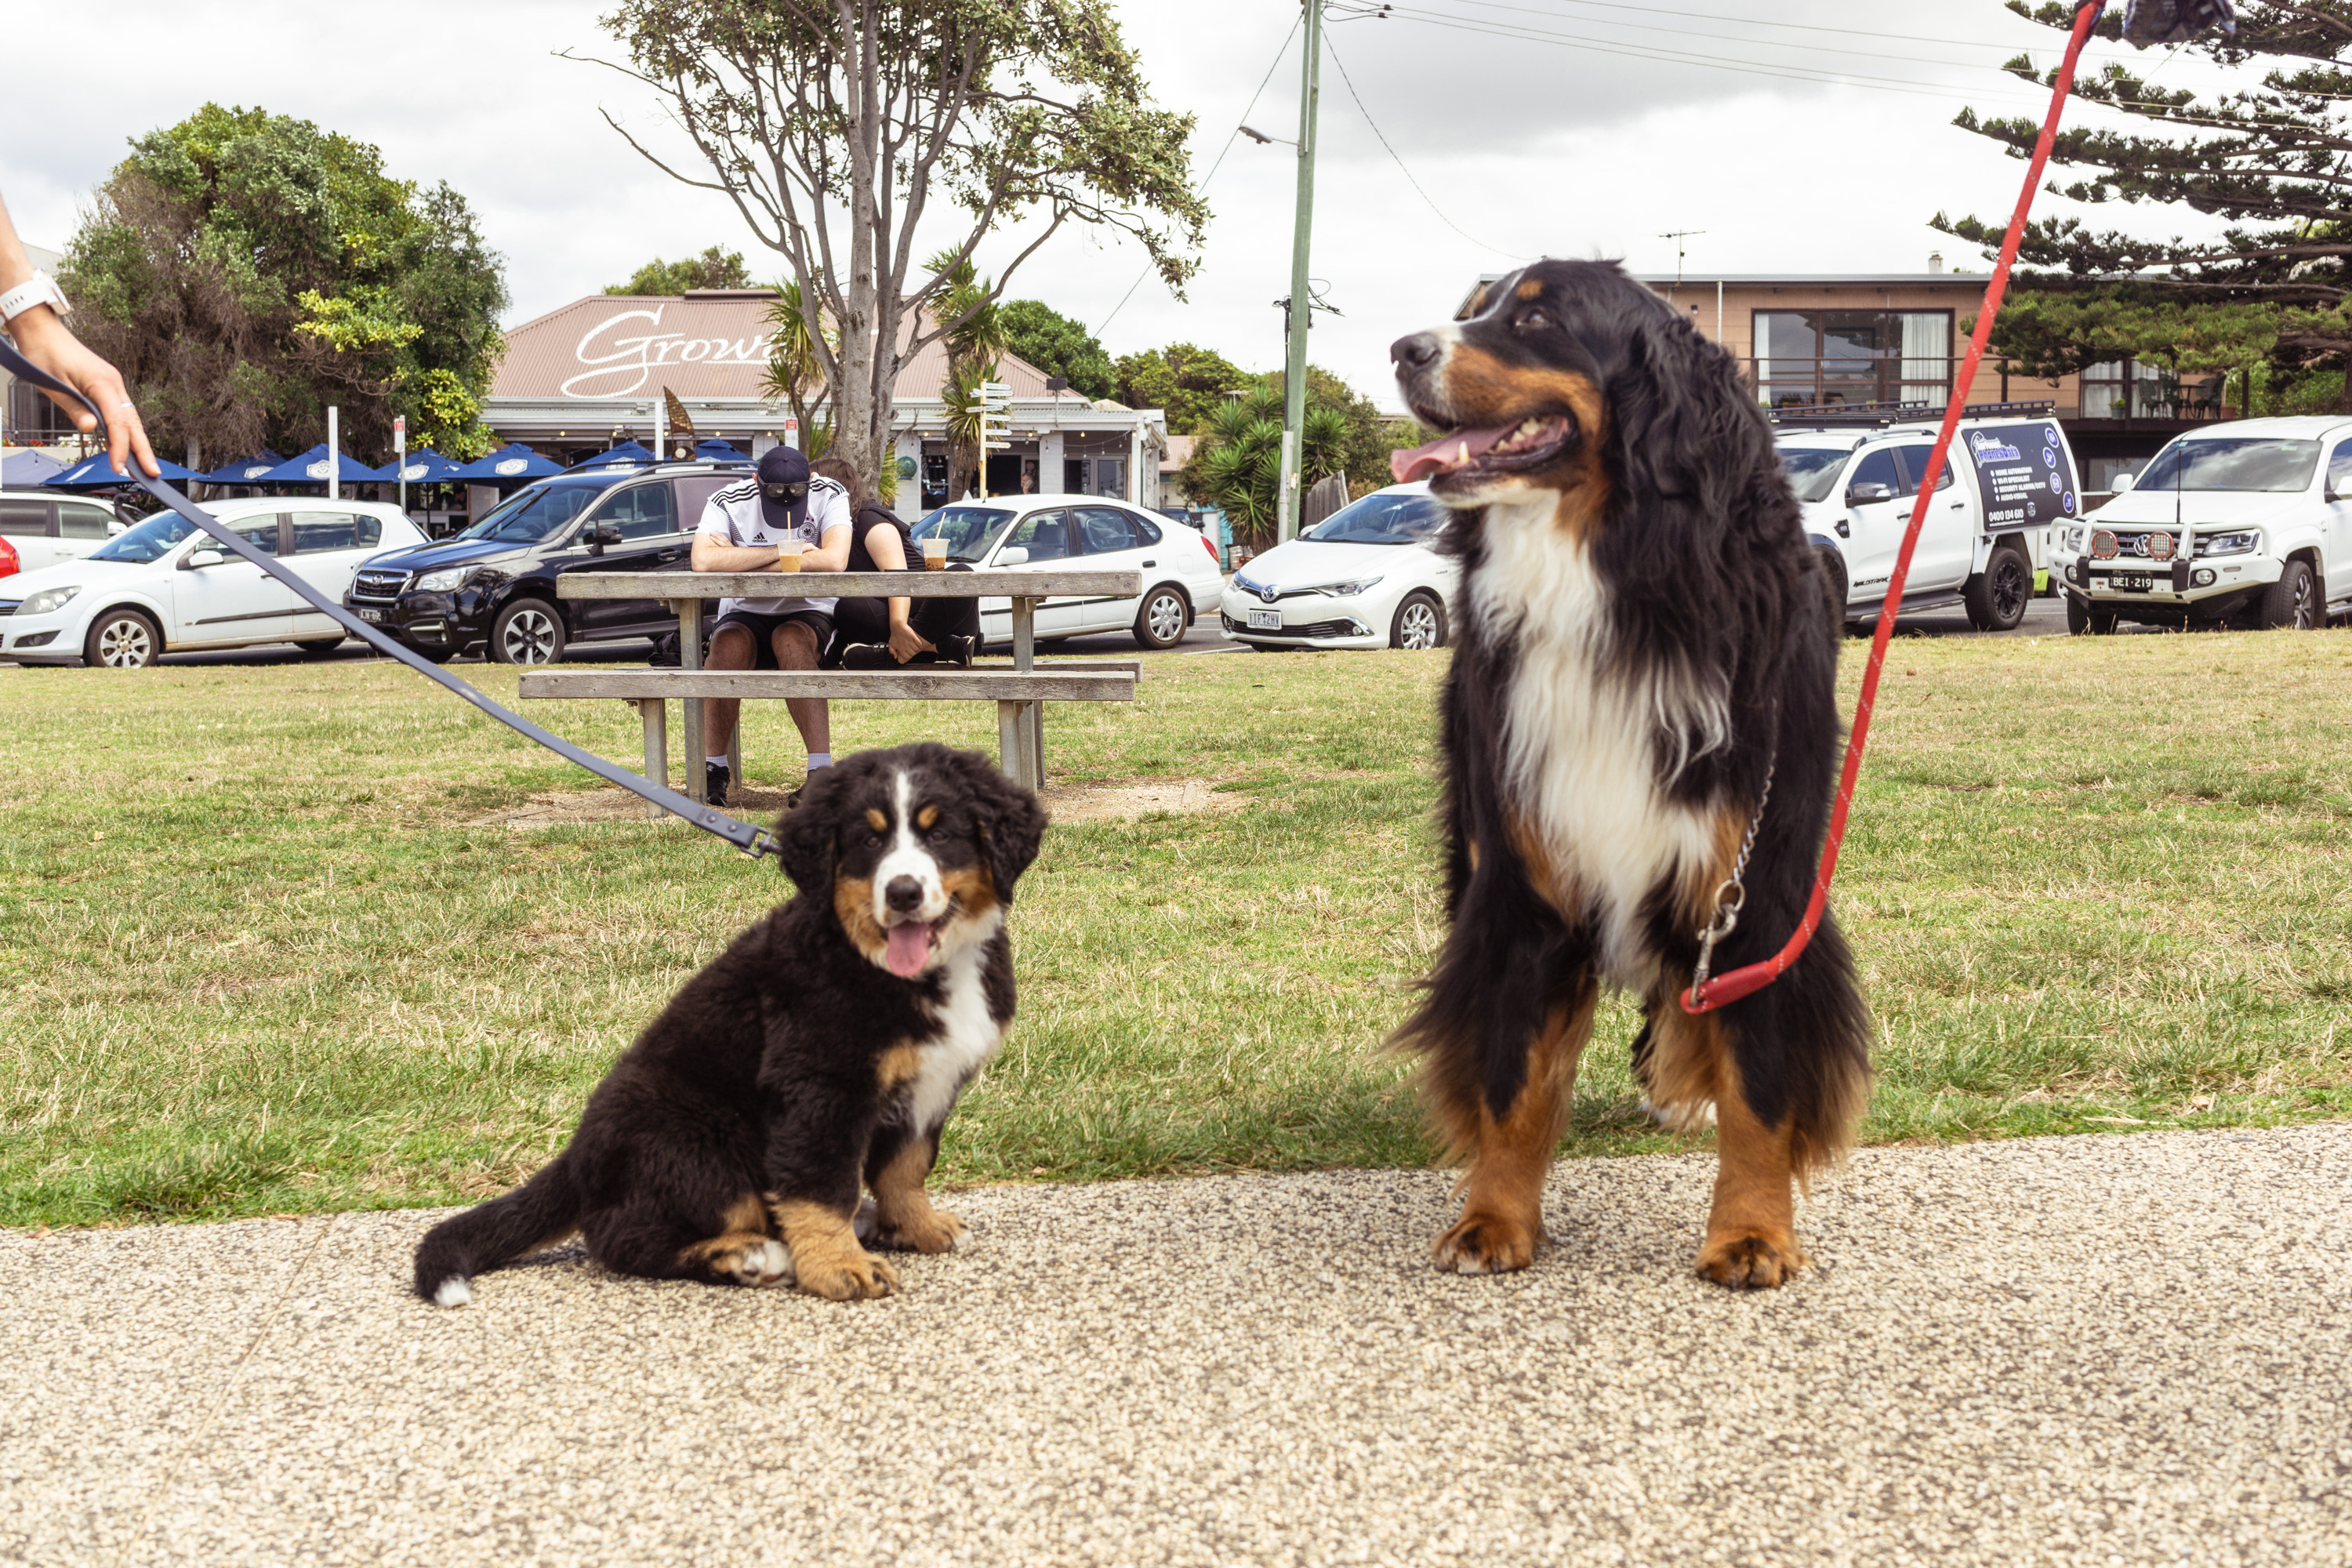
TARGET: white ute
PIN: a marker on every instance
(2241, 524)
(2008, 479)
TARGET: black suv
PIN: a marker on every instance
(495, 583)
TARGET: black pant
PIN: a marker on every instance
(934, 620)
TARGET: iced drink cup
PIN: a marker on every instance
(789, 561)
(935, 553)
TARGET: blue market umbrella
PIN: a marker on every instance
(27, 469)
(95, 473)
(422, 466)
(630, 452)
(248, 471)
(719, 451)
(311, 469)
(514, 461)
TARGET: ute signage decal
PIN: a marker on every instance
(2024, 474)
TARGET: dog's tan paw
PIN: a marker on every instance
(934, 1231)
(850, 1276)
(1751, 1260)
(1487, 1244)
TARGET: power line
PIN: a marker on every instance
(1763, 22)
(1392, 152)
(1231, 137)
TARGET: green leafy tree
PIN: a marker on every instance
(1370, 435)
(714, 268)
(246, 270)
(839, 132)
(2268, 156)
(1188, 383)
(2059, 333)
(1058, 346)
(976, 341)
(1237, 465)
(795, 372)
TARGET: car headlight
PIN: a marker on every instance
(441, 582)
(2241, 543)
(1348, 589)
(48, 599)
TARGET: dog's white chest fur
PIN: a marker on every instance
(965, 1040)
(1583, 742)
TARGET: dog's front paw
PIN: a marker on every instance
(1751, 1258)
(849, 1275)
(934, 1230)
(768, 1262)
(1487, 1244)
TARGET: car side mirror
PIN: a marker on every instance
(1864, 495)
(199, 559)
(1012, 555)
(2122, 482)
(2334, 490)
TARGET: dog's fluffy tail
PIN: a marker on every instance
(539, 1213)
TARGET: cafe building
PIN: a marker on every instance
(603, 369)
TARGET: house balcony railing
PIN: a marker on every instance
(1782, 381)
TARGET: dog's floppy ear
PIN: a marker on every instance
(1012, 822)
(808, 835)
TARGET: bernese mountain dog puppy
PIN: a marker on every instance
(1643, 676)
(818, 1056)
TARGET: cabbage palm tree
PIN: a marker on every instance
(1237, 466)
(795, 370)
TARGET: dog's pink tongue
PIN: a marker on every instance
(1446, 453)
(908, 946)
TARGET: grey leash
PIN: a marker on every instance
(1731, 893)
(753, 841)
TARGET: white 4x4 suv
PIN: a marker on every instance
(2010, 475)
(2248, 522)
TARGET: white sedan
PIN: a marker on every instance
(1181, 574)
(163, 586)
(1367, 576)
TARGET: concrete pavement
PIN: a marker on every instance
(2101, 1349)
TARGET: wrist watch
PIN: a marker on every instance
(40, 288)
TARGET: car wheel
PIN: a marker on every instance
(1160, 623)
(529, 631)
(1420, 623)
(123, 639)
(2080, 619)
(2293, 602)
(1997, 596)
(317, 648)
(1833, 578)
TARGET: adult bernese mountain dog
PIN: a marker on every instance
(818, 1056)
(1643, 676)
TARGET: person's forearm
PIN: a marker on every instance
(16, 267)
(709, 555)
(833, 555)
(899, 610)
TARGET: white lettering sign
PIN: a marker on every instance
(511, 465)
(621, 361)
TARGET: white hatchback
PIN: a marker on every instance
(1180, 570)
(1367, 576)
(165, 586)
(45, 528)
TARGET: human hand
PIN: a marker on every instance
(906, 642)
(42, 338)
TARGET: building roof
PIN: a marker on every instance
(711, 344)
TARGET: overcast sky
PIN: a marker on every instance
(1818, 142)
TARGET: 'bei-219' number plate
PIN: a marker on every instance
(2131, 582)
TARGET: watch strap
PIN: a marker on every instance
(40, 288)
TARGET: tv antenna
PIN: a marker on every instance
(1678, 235)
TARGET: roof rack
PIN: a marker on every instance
(1881, 414)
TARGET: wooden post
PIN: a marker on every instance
(655, 713)
(1025, 758)
(690, 656)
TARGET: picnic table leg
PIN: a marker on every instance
(1025, 757)
(1008, 738)
(655, 713)
(690, 656)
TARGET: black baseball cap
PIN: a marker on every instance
(783, 486)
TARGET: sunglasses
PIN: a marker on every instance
(797, 490)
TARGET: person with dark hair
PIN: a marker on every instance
(880, 633)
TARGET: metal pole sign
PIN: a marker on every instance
(792, 432)
(400, 457)
(334, 453)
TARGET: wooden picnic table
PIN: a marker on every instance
(1020, 693)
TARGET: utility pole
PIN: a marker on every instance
(1302, 303)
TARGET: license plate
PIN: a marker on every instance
(1265, 620)
(2131, 582)
(372, 617)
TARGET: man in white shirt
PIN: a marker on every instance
(742, 529)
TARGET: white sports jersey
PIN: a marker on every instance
(733, 516)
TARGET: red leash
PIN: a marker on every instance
(1754, 977)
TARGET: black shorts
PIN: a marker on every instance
(763, 631)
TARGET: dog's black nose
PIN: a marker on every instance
(1418, 352)
(903, 894)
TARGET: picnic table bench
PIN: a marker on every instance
(1020, 690)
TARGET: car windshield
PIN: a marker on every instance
(2232, 463)
(539, 511)
(1811, 470)
(969, 530)
(1384, 517)
(145, 542)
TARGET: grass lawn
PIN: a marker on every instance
(253, 959)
